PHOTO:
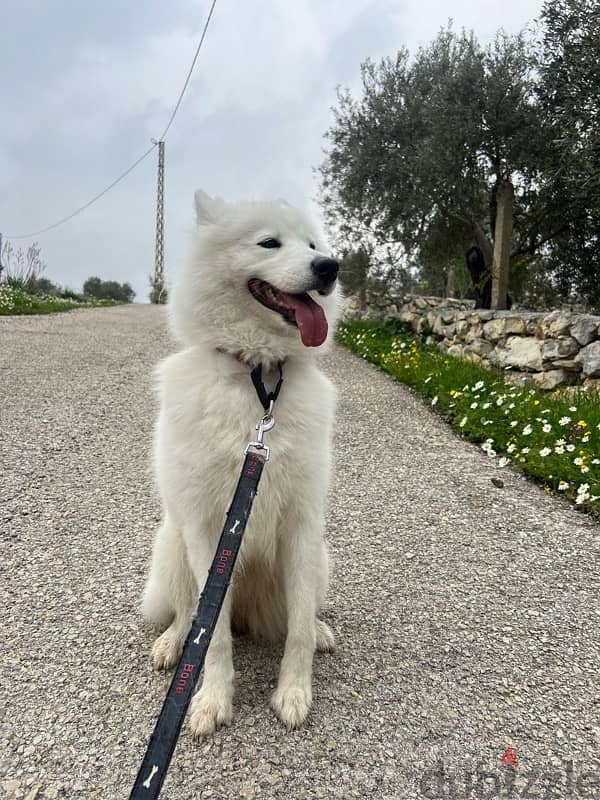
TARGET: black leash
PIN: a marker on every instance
(155, 764)
(266, 398)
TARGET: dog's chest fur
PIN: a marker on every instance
(209, 409)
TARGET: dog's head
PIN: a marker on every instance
(261, 281)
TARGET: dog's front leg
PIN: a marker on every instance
(212, 705)
(300, 546)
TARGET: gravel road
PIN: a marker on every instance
(466, 616)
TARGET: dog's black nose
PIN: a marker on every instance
(325, 268)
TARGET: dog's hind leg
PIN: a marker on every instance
(303, 561)
(170, 594)
(325, 637)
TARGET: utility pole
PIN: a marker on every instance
(159, 293)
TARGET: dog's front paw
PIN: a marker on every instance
(292, 705)
(166, 650)
(210, 710)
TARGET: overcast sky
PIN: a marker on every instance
(85, 86)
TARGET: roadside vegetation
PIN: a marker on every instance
(554, 439)
(25, 290)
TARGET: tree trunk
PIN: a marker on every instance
(484, 245)
(502, 245)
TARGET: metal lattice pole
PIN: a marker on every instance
(158, 294)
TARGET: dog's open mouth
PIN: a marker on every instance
(296, 309)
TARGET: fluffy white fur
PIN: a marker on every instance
(208, 412)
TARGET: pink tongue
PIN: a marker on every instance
(310, 319)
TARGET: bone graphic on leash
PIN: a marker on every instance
(200, 635)
(148, 780)
(234, 526)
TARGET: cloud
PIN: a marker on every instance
(83, 95)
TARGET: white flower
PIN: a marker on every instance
(478, 385)
(578, 461)
(547, 428)
(586, 438)
(474, 405)
(572, 408)
(545, 451)
(486, 405)
(525, 450)
(581, 498)
(559, 450)
(595, 460)
(570, 448)
(503, 461)
(562, 485)
(514, 423)
(527, 430)
(427, 379)
(560, 442)
(434, 401)
(564, 420)
(511, 405)
(499, 401)
(511, 448)
(488, 421)
(545, 411)
(583, 488)
(463, 422)
(585, 469)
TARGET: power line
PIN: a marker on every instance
(189, 75)
(142, 157)
(90, 202)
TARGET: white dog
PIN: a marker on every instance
(260, 287)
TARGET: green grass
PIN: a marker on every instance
(14, 300)
(553, 439)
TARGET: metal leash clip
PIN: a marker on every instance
(263, 426)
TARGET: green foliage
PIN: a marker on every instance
(158, 292)
(43, 286)
(418, 159)
(108, 290)
(21, 268)
(570, 94)
(15, 300)
(554, 439)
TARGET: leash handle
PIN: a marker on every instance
(158, 756)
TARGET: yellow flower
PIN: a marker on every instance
(582, 423)
(536, 402)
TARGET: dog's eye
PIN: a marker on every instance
(312, 246)
(270, 244)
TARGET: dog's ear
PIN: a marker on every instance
(208, 209)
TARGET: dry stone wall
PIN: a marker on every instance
(547, 350)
